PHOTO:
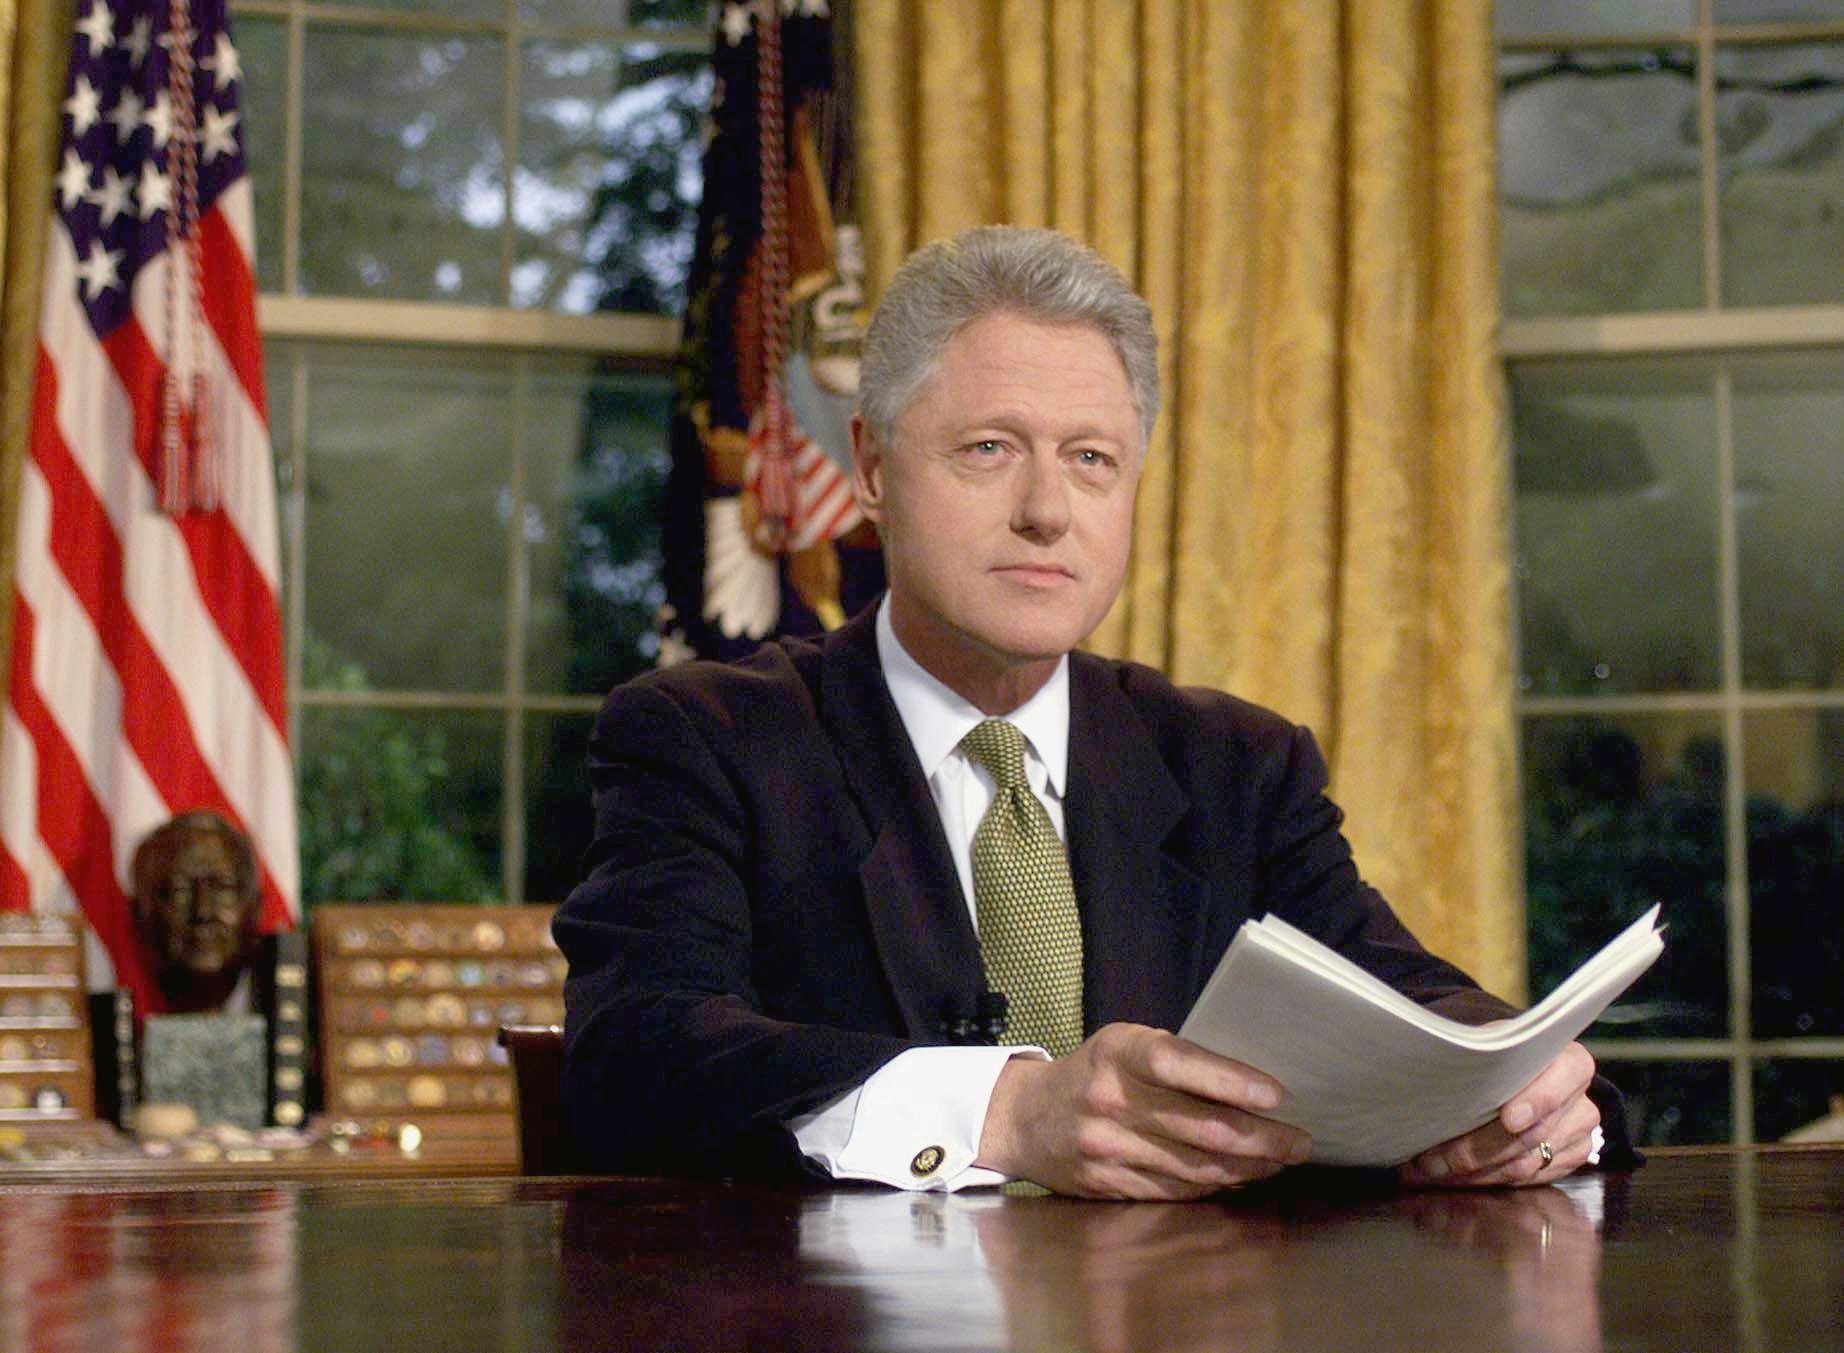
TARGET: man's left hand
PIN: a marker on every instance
(1554, 1109)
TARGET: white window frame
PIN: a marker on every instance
(528, 336)
(1712, 332)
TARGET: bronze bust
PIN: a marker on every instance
(196, 909)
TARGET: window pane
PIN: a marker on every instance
(399, 804)
(1616, 528)
(1622, 813)
(446, 9)
(1780, 135)
(640, 13)
(1541, 18)
(402, 192)
(1598, 181)
(407, 507)
(1795, 779)
(278, 377)
(605, 201)
(262, 49)
(557, 812)
(1778, 11)
(1674, 1103)
(1789, 495)
(1794, 1094)
(595, 471)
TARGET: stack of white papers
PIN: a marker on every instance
(1374, 1077)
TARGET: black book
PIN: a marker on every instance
(281, 997)
(118, 1074)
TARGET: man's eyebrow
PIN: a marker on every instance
(1010, 420)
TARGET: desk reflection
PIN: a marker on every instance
(170, 1271)
(1517, 1269)
(1701, 1252)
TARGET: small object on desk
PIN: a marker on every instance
(153, 1121)
(446, 1011)
(49, 1099)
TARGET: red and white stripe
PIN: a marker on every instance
(147, 654)
(823, 507)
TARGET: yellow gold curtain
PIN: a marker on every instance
(34, 42)
(1304, 192)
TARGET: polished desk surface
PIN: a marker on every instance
(94, 1154)
(1717, 1249)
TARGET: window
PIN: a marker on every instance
(1672, 193)
(474, 222)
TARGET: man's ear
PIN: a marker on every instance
(867, 470)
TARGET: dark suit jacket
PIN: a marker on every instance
(771, 911)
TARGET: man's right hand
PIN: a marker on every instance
(1137, 1113)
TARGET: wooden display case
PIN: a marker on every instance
(46, 1065)
(411, 999)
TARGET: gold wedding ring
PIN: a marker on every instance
(1543, 1149)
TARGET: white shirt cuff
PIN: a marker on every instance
(915, 1124)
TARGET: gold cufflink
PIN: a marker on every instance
(927, 1161)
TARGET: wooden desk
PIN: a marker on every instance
(1701, 1250)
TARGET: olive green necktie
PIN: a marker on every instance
(1030, 933)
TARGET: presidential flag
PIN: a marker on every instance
(762, 535)
(147, 672)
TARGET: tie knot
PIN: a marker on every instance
(998, 746)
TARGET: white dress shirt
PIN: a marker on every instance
(937, 1097)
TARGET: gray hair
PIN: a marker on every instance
(1038, 274)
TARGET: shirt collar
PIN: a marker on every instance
(937, 718)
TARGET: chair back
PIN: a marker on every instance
(536, 1053)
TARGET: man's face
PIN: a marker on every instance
(1006, 503)
(197, 912)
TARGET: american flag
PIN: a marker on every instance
(147, 655)
(762, 534)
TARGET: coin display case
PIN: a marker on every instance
(411, 1000)
(46, 1070)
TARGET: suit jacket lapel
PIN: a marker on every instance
(1142, 918)
(919, 921)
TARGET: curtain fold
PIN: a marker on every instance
(1304, 192)
(34, 48)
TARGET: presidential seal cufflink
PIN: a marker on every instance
(926, 1161)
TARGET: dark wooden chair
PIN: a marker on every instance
(536, 1053)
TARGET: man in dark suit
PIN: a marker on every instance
(812, 870)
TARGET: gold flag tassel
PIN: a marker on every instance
(188, 480)
(775, 492)
(774, 515)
